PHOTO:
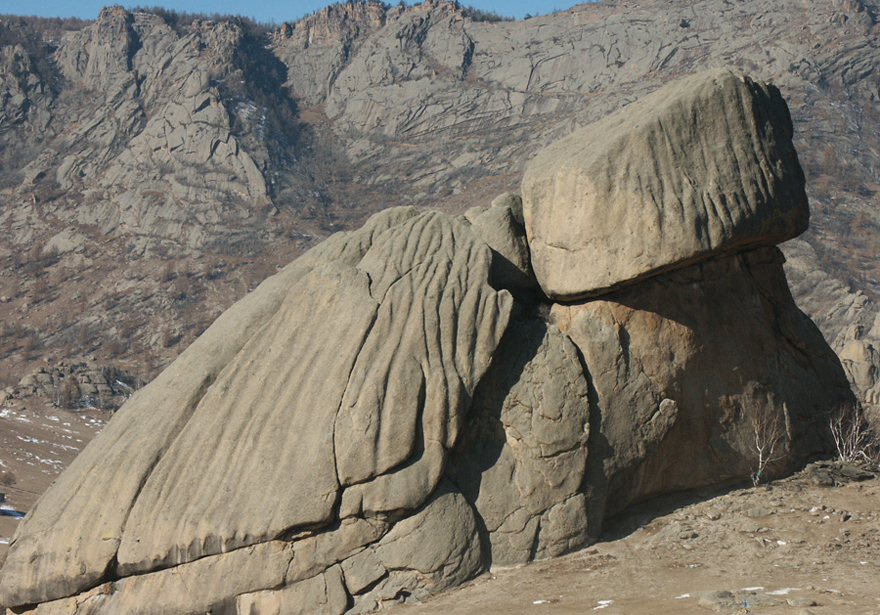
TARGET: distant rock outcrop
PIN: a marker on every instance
(150, 135)
(402, 407)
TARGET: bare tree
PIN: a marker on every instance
(69, 394)
(768, 438)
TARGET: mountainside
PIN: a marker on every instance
(152, 169)
(415, 402)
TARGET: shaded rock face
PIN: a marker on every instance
(701, 167)
(680, 361)
(523, 458)
(401, 408)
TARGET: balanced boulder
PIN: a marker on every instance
(701, 167)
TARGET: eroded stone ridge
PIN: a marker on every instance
(701, 167)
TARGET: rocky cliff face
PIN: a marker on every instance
(402, 407)
(133, 142)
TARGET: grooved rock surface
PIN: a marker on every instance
(681, 361)
(527, 446)
(400, 409)
(700, 167)
(329, 378)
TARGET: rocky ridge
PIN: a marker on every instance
(402, 408)
(135, 142)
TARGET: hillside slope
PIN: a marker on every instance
(153, 169)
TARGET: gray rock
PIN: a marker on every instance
(514, 202)
(701, 167)
(268, 422)
(526, 448)
(511, 266)
(435, 548)
(324, 593)
(428, 357)
(329, 381)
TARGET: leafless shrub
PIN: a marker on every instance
(853, 437)
(41, 289)
(69, 393)
(30, 342)
(114, 347)
(7, 478)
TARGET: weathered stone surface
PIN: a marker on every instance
(678, 361)
(196, 587)
(857, 346)
(327, 377)
(514, 201)
(427, 356)
(425, 553)
(87, 531)
(498, 226)
(702, 166)
(319, 430)
(526, 447)
(257, 456)
(324, 594)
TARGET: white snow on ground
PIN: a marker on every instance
(603, 604)
(47, 442)
(33, 440)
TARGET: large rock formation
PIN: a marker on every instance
(700, 167)
(383, 419)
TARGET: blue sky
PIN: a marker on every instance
(272, 10)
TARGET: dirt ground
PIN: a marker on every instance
(792, 547)
(36, 443)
